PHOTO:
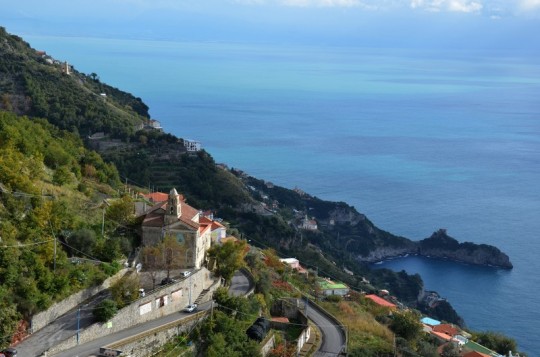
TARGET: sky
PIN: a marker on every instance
(490, 24)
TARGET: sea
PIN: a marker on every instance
(415, 139)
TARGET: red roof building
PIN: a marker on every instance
(380, 301)
(173, 217)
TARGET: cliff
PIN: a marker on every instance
(440, 245)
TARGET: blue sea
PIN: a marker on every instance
(416, 140)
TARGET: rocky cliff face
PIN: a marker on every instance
(440, 245)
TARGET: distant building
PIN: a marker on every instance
(66, 68)
(380, 301)
(328, 287)
(309, 224)
(192, 145)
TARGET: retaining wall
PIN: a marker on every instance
(161, 302)
(151, 341)
(44, 318)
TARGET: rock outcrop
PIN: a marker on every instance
(440, 245)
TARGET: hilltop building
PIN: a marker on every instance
(175, 218)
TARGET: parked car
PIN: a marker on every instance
(9, 352)
(186, 273)
(190, 308)
(167, 281)
(142, 293)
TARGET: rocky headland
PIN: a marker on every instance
(441, 246)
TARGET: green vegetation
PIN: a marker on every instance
(38, 212)
(105, 310)
(52, 192)
(229, 258)
(31, 85)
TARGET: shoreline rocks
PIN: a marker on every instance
(441, 246)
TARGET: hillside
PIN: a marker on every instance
(333, 238)
(51, 207)
(34, 84)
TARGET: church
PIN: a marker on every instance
(175, 218)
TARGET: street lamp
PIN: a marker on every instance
(186, 262)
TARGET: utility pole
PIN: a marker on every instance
(103, 224)
(54, 264)
(189, 289)
(78, 323)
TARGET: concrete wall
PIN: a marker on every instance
(165, 301)
(268, 344)
(44, 318)
(151, 341)
(291, 308)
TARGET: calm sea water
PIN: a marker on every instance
(416, 140)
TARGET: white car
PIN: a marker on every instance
(190, 308)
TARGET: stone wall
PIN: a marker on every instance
(161, 302)
(151, 341)
(44, 318)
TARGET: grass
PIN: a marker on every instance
(363, 330)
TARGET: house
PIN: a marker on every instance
(380, 301)
(175, 218)
(475, 354)
(328, 287)
(309, 224)
(295, 264)
(292, 262)
(156, 197)
(192, 145)
(218, 231)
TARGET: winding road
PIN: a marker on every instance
(333, 339)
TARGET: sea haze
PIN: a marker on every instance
(416, 140)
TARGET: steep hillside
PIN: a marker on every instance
(332, 237)
(51, 197)
(32, 83)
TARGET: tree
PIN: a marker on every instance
(121, 211)
(151, 259)
(229, 258)
(450, 350)
(125, 290)
(496, 341)
(105, 310)
(83, 240)
(173, 253)
(407, 325)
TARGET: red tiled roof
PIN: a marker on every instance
(188, 211)
(448, 329)
(380, 301)
(156, 196)
(475, 354)
(280, 319)
(441, 335)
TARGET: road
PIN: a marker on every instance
(92, 348)
(333, 339)
(239, 284)
(60, 329)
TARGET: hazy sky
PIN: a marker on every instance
(487, 24)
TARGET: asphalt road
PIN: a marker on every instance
(60, 329)
(91, 348)
(239, 284)
(333, 340)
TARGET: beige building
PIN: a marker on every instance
(174, 217)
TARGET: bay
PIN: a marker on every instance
(415, 140)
